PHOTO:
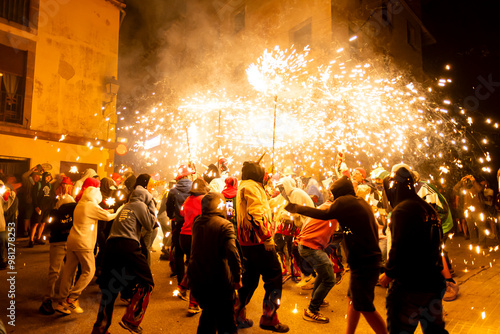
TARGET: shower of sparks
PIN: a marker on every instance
(376, 119)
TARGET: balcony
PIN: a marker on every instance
(11, 108)
(15, 11)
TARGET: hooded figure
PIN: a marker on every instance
(175, 199)
(81, 243)
(124, 254)
(215, 266)
(288, 225)
(415, 262)
(213, 179)
(356, 218)
(257, 245)
(312, 189)
(89, 173)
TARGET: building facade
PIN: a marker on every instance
(58, 64)
(388, 29)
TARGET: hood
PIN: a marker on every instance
(211, 173)
(312, 189)
(142, 180)
(231, 187)
(199, 187)
(107, 186)
(140, 194)
(130, 182)
(89, 182)
(252, 171)
(91, 194)
(399, 186)
(88, 173)
(184, 185)
(342, 187)
(213, 204)
(288, 184)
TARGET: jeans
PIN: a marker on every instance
(325, 279)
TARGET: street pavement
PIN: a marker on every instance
(476, 310)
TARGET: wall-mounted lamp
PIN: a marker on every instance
(111, 87)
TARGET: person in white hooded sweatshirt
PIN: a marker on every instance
(80, 249)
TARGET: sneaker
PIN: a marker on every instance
(279, 328)
(247, 323)
(451, 292)
(46, 308)
(30, 244)
(309, 285)
(131, 328)
(315, 317)
(324, 304)
(63, 308)
(74, 305)
(304, 280)
(39, 242)
(193, 309)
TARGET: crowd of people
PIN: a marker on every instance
(223, 232)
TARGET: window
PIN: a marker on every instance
(301, 36)
(15, 10)
(239, 21)
(12, 84)
(411, 35)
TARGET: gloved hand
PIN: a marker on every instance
(269, 244)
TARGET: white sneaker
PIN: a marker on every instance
(304, 280)
(63, 308)
(74, 305)
(310, 284)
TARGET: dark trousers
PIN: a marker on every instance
(259, 262)
(406, 309)
(124, 266)
(217, 315)
(178, 254)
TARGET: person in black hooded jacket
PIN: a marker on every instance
(215, 266)
(414, 265)
(360, 230)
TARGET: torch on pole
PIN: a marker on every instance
(274, 131)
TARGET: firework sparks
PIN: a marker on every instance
(375, 118)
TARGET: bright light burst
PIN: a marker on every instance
(378, 119)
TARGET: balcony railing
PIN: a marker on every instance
(15, 11)
(11, 108)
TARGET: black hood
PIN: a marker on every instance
(213, 204)
(252, 171)
(106, 186)
(142, 180)
(211, 173)
(399, 186)
(199, 187)
(342, 187)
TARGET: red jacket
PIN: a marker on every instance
(189, 210)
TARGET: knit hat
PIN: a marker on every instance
(142, 180)
(183, 171)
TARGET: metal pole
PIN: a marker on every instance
(274, 130)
